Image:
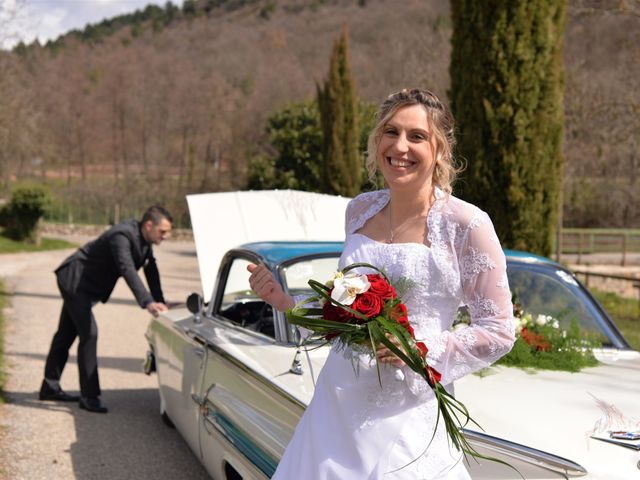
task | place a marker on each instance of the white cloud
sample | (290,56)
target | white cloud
(48,19)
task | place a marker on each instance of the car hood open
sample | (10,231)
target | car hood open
(222,221)
(557,412)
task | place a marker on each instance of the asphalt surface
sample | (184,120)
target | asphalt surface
(52,440)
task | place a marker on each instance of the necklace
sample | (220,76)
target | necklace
(399,227)
(408,220)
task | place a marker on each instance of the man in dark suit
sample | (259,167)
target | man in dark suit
(89,276)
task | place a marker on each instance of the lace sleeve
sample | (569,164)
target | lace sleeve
(483,273)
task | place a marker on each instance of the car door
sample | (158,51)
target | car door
(180,366)
(247,419)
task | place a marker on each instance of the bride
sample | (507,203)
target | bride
(353,428)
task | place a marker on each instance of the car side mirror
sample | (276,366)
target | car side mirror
(194,305)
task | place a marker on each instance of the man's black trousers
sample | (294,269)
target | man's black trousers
(76,320)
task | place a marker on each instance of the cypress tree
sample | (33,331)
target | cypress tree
(506,95)
(341,162)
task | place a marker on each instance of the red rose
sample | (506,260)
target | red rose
(422,348)
(380,287)
(368,304)
(334,313)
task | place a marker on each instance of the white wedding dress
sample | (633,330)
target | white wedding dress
(355,429)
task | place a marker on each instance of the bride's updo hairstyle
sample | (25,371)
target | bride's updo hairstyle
(441,124)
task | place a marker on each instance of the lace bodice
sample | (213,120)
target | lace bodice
(463,263)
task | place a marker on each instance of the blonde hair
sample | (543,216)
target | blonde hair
(441,122)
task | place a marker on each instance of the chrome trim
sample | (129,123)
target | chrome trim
(236,437)
(228,324)
(280,276)
(223,272)
(198,352)
(252,373)
(526,454)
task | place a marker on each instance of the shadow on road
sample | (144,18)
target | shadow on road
(132,364)
(130,442)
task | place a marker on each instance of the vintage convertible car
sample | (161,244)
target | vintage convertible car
(234,382)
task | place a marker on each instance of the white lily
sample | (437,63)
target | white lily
(345,288)
(519,324)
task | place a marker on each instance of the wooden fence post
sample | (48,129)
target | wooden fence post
(579,248)
(559,233)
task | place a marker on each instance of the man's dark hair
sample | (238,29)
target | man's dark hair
(155,213)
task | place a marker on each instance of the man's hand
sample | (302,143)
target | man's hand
(267,288)
(154,308)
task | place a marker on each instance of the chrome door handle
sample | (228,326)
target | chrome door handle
(199,352)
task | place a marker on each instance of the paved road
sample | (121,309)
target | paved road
(46,440)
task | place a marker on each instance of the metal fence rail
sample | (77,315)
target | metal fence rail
(634,281)
(584,241)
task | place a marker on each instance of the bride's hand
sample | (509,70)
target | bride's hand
(267,288)
(387,356)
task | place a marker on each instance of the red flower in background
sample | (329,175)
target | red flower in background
(536,340)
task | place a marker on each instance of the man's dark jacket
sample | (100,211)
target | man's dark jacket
(119,252)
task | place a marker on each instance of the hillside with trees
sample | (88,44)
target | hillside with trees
(165,101)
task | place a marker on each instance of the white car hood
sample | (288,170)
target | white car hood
(558,411)
(222,221)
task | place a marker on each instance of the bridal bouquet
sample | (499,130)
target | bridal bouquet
(362,310)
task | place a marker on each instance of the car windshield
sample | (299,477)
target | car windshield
(553,292)
(297,275)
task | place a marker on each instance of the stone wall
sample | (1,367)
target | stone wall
(76,230)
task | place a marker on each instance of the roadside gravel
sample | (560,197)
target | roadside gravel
(48,440)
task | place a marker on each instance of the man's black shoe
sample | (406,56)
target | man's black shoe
(48,393)
(92,404)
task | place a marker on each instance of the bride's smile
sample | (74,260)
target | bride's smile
(407,149)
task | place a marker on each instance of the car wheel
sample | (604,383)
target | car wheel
(231,473)
(166,420)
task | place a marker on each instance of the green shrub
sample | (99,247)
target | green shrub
(625,312)
(21,215)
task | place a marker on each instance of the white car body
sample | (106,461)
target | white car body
(235,393)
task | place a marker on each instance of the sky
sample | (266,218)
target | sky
(45,20)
